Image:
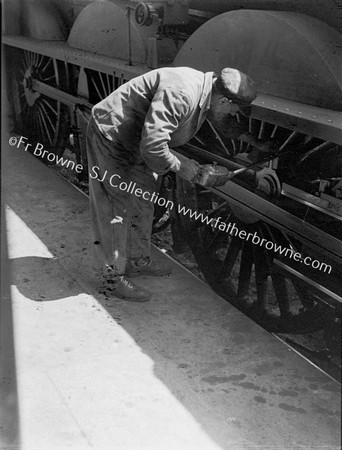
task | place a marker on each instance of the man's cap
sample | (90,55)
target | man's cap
(237,87)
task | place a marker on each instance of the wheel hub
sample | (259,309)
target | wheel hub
(268,183)
(30,95)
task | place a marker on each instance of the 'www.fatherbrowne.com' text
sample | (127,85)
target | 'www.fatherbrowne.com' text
(233,230)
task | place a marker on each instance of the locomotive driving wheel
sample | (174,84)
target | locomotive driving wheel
(38,116)
(243,270)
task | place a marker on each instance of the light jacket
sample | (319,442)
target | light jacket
(154,112)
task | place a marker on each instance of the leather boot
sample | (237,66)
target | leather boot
(119,286)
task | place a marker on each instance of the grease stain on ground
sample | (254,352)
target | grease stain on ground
(240,377)
(332,387)
(324,411)
(291,408)
(213,379)
(183,366)
(260,399)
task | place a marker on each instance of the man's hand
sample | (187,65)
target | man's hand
(188,169)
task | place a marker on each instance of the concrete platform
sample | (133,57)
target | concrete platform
(185,371)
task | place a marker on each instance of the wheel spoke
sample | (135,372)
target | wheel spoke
(199,140)
(103,86)
(289,140)
(214,213)
(261,130)
(274,131)
(261,278)
(56,73)
(245,271)
(241,146)
(27,114)
(284,239)
(213,237)
(46,65)
(211,244)
(323,146)
(48,117)
(50,78)
(54,111)
(31,55)
(110,83)
(35,59)
(281,291)
(46,128)
(217,136)
(35,125)
(306,299)
(40,61)
(27,59)
(231,256)
(41,127)
(97,89)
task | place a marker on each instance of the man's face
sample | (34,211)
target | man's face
(220,107)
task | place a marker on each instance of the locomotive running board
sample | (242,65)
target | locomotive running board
(319,122)
(82,58)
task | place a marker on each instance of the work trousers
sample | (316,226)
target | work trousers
(121,221)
